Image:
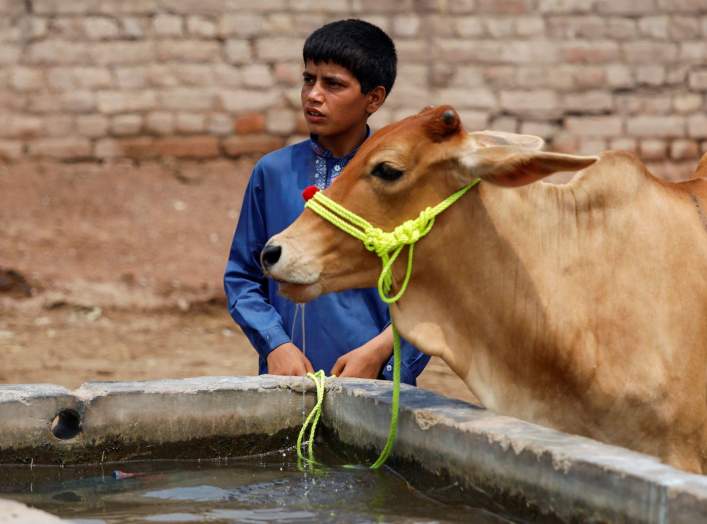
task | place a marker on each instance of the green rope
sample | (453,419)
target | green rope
(394,409)
(388,246)
(312,419)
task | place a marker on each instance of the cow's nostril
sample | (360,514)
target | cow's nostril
(270,255)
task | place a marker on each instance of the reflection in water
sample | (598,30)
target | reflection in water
(267,488)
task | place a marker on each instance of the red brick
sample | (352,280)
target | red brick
(188,147)
(594,125)
(68,148)
(698,79)
(621,29)
(625,144)
(249,124)
(564,142)
(589,102)
(685,28)
(327,6)
(697,126)
(653,149)
(575,27)
(138,148)
(650,52)
(591,146)
(687,102)
(684,149)
(534,103)
(564,6)
(682,6)
(504,7)
(252,144)
(383,6)
(672,170)
(656,126)
(272,49)
(544,130)
(625,7)
(590,52)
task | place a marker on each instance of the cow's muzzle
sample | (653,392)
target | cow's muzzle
(269,256)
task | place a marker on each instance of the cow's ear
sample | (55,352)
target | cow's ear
(500,138)
(513,166)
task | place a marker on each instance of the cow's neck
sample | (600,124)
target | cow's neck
(479,292)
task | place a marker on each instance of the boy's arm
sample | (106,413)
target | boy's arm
(367,360)
(374,359)
(247,288)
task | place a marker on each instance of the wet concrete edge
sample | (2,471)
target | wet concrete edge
(573,478)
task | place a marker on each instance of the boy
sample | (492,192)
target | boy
(350,68)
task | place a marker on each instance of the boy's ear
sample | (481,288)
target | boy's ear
(376,97)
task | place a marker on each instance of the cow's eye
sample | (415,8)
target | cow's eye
(386,172)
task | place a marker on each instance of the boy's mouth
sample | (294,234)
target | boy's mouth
(313,115)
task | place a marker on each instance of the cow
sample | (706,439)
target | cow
(582,306)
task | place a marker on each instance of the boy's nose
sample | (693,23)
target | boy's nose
(315,94)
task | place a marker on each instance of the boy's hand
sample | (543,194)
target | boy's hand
(365,361)
(287,359)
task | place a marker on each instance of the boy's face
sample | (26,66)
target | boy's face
(332,100)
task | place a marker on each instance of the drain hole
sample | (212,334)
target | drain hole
(66,424)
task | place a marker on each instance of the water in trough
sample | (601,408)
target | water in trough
(264,488)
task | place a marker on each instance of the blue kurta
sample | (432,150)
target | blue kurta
(335,323)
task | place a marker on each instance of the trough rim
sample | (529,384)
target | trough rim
(357,412)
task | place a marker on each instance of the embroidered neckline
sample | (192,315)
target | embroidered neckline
(326,166)
(321,151)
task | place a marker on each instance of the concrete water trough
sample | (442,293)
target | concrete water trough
(541,473)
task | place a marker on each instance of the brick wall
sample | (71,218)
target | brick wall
(102,79)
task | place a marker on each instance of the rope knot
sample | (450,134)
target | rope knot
(406,233)
(410,231)
(376,240)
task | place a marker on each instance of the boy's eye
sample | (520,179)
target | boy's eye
(386,172)
(308,79)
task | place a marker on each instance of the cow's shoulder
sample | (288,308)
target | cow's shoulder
(619,180)
(619,174)
(697,185)
(701,171)
(694,191)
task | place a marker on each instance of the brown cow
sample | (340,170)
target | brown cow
(580,306)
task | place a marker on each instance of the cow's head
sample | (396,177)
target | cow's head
(403,168)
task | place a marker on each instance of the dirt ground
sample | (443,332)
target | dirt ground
(113,272)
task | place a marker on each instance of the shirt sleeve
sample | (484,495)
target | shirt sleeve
(245,285)
(412,361)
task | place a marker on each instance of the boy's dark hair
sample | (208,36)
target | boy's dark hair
(359,46)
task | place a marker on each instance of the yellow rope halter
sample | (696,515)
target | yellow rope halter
(387,245)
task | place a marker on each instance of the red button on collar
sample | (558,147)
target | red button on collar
(309,192)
